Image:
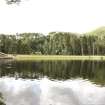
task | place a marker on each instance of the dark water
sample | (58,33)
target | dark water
(52,82)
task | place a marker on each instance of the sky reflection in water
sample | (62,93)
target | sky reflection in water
(46,92)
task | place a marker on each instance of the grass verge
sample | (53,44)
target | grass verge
(57,57)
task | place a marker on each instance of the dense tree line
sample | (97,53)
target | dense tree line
(55,43)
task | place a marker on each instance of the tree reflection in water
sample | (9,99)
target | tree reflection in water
(68,87)
(58,70)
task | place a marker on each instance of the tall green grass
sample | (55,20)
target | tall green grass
(57,57)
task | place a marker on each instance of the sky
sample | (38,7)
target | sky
(45,16)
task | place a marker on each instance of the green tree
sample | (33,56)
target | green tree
(12,1)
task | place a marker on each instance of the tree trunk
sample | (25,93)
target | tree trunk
(82,48)
(93,48)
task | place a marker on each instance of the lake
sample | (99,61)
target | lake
(52,82)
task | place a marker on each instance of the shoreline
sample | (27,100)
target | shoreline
(58,57)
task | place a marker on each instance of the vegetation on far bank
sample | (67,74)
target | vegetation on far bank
(55,43)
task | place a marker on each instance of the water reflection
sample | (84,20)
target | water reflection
(20,92)
(30,83)
(47,92)
(55,70)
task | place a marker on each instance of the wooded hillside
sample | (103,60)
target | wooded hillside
(55,43)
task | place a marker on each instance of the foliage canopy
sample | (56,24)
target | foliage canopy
(55,43)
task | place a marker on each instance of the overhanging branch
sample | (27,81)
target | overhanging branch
(12,1)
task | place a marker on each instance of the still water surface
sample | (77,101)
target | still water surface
(52,83)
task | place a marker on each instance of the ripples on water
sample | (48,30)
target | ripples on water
(53,83)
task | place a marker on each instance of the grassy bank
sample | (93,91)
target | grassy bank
(57,57)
